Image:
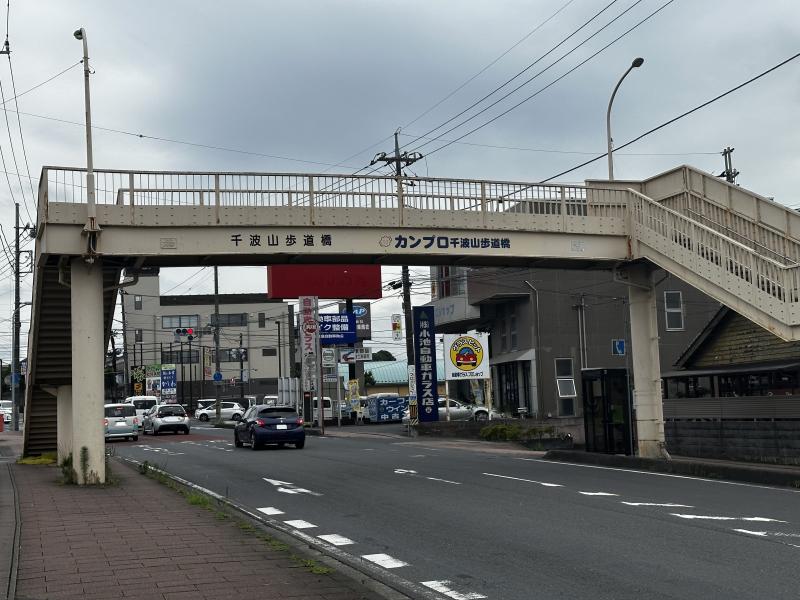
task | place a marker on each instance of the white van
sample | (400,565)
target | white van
(142,404)
(327,409)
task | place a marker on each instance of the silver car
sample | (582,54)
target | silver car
(230,411)
(166,417)
(121,422)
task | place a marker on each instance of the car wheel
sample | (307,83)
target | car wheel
(481,416)
(204,417)
(236,441)
(299,445)
(186,431)
(136,438)
(253,445)
(236,417)
(155,431)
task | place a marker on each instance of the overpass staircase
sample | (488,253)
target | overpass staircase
(739,248)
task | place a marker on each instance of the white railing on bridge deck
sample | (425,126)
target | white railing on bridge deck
(141,188)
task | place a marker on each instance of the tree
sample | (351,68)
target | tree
(369,380)
(383,355)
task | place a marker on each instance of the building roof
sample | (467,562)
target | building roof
(208,299)
(390,372)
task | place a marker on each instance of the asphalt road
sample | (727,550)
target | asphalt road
(499,523)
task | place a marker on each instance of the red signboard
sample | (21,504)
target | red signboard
(324,281)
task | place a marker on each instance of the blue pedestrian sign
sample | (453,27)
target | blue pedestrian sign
(618,347)
(217,376)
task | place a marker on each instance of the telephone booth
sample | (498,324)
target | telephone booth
(607,411)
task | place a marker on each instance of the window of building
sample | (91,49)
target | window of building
(565,384)
(180,321)
(178,357)
(230,320)
(137,335)
(262,320)
(673,310)
(269,352)
(512,326)
(501,327)
(230,355)
(137,303)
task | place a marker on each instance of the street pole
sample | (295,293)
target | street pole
(637,62)
(125,362)
(280,351)
(216,341)
(91,208)
(16,325)
(241,369)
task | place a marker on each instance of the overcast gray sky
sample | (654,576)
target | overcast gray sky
(320,81)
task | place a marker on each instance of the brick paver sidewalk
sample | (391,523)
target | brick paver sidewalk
(142,540)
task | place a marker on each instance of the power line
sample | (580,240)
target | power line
(674,119)
(491,64)
(19,124)
(552,83)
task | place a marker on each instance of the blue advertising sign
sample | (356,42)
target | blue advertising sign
(337,328)
(169,383)
(425,363)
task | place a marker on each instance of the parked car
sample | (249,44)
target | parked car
(142,404)
(327,409)
(120,421)
(263,424)
(462,412)
(230,411)
(166,417)
(6,409)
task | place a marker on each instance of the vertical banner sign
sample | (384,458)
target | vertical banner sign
(353,396)
(308,341)
(425,364)
(138,379)
(169,384)
(207,372)
(152,380)
(397,328)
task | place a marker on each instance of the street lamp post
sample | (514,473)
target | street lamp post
(280,362)
(637,62)
(91,208)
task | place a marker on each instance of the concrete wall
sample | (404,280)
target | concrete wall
(756,441)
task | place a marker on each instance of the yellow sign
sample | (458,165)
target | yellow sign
(465,356)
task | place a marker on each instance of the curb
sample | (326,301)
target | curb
(11,588)
(757,474)
(388,585)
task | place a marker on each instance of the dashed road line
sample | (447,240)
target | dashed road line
(598,494)
(660,504)
(716,518)
(385,561)
(443,480)
(336,539)
(545,484)
(270,510)
(443,587)
(300,524)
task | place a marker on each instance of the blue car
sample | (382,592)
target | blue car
(263,424)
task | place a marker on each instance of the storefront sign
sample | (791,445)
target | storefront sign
(466,356)
(425,363)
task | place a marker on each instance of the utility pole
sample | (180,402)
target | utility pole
(216,341)
(401,160)
(125,363)
(241,368)
(729,173)
(16,324)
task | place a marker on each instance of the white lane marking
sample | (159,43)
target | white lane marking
(443,480)
(418,456)
(300,524)
(773,534)
(716,518)
(662,504)
(706,479)
(598,494)
(403,471)
(368,449)
(443,587)
(336,539)
(385,561)
(270,510)
(527,480)
(290,488)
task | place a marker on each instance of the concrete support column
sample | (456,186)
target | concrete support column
(64,421)
(88,351)
(646,363)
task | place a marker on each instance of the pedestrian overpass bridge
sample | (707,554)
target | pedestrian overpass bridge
(736,246)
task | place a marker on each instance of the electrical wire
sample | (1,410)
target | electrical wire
(21,136)
(674,119)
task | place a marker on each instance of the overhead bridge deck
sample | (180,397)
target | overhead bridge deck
(734,245)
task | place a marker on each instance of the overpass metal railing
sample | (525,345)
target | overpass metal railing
(175,188)
(746,273)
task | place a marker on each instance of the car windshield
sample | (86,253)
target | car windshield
(6,405)
(171,410)
(201,404)
(124,410)
(278,413)
(144,404)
